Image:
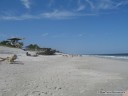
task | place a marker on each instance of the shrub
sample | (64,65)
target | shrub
(32,47)
(46,51)
(4,43)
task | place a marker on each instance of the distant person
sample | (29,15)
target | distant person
(28,54)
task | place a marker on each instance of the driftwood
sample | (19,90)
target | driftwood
(10,59)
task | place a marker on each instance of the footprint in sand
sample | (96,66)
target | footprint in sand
(38,93)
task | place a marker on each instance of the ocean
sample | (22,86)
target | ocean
(120,56)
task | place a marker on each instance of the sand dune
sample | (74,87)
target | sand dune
(61,76)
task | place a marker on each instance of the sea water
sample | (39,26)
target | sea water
(121,56)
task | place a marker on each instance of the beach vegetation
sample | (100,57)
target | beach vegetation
(9,44)
(46,51)
(4,43)
(32,47)
(39,50)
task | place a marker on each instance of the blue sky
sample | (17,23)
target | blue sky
(71,26)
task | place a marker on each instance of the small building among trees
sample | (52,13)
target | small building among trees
(12,42)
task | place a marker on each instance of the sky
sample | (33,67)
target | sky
(71,26)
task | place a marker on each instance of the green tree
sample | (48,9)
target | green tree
(4,43)
(32,47)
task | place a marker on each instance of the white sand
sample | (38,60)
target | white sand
(62,76)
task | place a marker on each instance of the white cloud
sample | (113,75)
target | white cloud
(81,7)
(26,3)
(121,3)
(90,3)
(100,4)
(49,15)
(44,34)
(106,4)
(58,14)
(21,17)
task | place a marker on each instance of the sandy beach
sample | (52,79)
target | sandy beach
(57,75)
